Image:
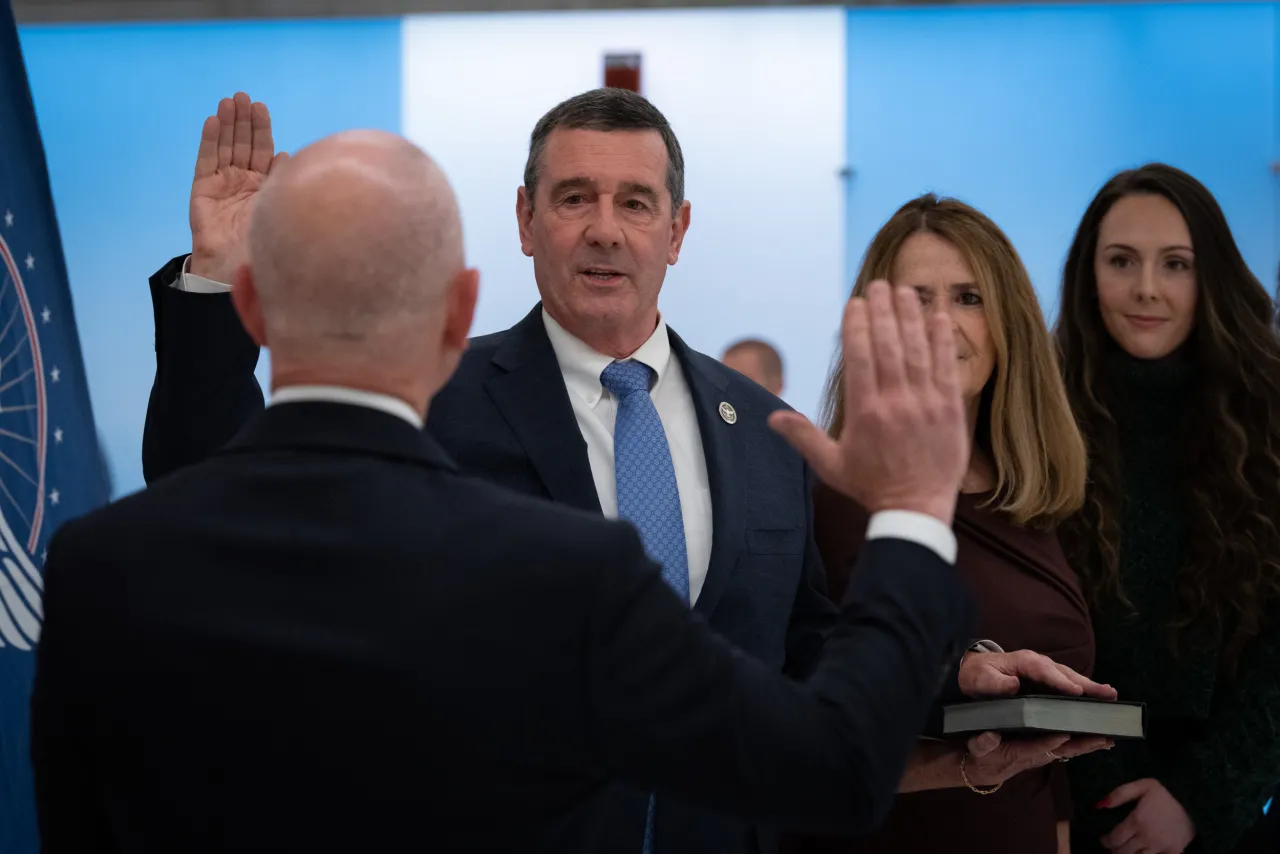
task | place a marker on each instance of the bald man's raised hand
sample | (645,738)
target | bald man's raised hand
(904,444)
(236,155)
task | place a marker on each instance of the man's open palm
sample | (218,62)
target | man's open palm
(904,444)
(236,155)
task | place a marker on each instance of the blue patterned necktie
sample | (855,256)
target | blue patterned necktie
(647,493)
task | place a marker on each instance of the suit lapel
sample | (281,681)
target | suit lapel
(530,393)
(723,446)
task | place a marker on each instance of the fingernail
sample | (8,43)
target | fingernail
(1102,804)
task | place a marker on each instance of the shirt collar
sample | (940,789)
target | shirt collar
(351,396)
(582,366)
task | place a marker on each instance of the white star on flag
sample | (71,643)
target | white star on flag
(55,374)
(57,436)
(46,314)
(31,261)
(44,555)
(55,497)
(8,219)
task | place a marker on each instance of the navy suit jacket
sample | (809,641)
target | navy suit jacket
(324,638)
(506,416)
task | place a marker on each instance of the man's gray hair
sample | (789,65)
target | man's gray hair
(607,110)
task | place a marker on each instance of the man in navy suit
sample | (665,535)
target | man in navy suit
(543,407)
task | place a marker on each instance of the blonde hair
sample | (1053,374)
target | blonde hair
(1025,422)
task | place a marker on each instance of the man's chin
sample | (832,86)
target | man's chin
(606,304)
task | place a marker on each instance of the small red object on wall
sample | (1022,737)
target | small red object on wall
(622,71)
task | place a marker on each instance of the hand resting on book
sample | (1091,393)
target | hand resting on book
(1002,674)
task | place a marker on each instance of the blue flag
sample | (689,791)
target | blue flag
(51,467)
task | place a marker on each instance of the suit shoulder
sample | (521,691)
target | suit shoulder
(744,391)
(149,503)
(475,367)
(81,552)
(486,345)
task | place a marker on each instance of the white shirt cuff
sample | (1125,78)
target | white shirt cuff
(197,284)
(914,527)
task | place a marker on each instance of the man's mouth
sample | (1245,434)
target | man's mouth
(604,275)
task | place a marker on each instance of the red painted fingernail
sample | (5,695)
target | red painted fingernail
(1102,804)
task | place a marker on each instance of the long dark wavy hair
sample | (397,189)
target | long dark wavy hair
(1232,449)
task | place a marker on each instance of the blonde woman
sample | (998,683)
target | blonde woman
(1027,473)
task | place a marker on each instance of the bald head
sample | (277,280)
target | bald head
(357,236)
(356,272)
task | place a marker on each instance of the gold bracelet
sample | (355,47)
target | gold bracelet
(989,790)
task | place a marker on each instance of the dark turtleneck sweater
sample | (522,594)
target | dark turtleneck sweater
(1213,741)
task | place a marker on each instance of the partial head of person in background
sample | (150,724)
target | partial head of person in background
(1027,452)
(602,214)
(356,275)
(757,360)
(1154,277)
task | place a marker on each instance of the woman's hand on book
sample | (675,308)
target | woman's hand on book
(1001,674)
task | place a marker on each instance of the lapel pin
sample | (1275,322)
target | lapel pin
(728,413)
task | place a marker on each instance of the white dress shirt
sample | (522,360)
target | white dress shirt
(595,409)
(352,396)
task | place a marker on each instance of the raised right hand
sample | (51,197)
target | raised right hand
(236,155)
(904,445)
(993,760)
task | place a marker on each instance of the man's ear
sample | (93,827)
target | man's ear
(679,227)
(524,219)
(460,308)
(244,296)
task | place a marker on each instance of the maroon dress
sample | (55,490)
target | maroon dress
(1029,598)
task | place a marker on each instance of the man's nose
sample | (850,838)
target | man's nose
(603,227)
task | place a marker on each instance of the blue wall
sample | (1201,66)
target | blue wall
(120,110)
(1025,111)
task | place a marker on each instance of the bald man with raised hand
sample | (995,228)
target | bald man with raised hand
(326,638)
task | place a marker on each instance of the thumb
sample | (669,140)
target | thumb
(819,450)
(981,745)
(1124,794)
(277,161)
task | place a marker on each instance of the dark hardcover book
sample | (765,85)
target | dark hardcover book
(1047,714)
